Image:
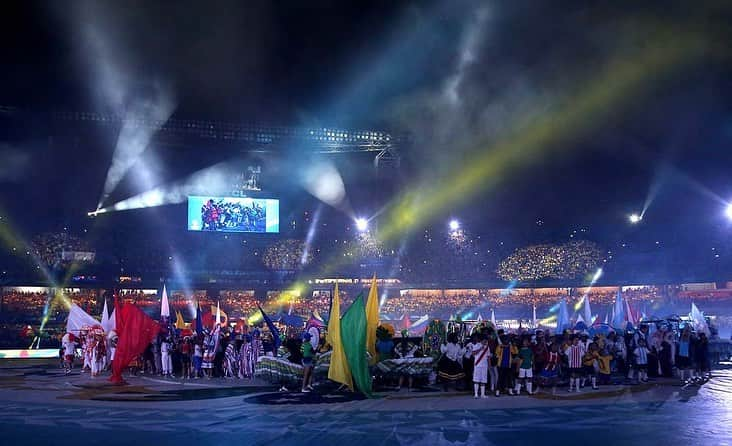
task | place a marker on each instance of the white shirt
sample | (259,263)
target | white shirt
(452,351)
(165,348)
(481,353)
(69,348)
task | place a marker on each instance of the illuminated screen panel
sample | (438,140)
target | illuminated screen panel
(233,214)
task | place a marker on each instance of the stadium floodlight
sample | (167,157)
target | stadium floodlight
(362,224)
(635,218)
(454,225)
(728,211)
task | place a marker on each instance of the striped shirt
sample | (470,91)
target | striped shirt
(641,355)
(574,356)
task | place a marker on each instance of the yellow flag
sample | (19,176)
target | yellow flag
(372,320)
(179,322)
(339,370)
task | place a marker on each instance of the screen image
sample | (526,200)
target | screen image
(233,214)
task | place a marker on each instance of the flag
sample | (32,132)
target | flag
(587,313)
(619,312)
(697,319)
(372,320)
(493,317)
(107,323)
(339,371)
(164,306)
(275,332)
(218,314)
(78,318)
(199,321)
(137,331)
(480,318)
(562,318)
(353,331)
(533,316)
(180,324)
(630,316)
(606,319)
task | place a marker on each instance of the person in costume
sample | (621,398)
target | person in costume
(197,359)
(603,360)
(550,373)
(88,350)
(185,357)
(405,350)
(209,354)
(490,335)
(448,368)
(231,360)
(166,349)
(641,360)
(99,355)
(505,353)
(526,367)
(541,351)
(683,355)
(469,359)
(701,356)
(589,362)
(481,353)
(69,345)
(574,354)
(308,356)
(245,356)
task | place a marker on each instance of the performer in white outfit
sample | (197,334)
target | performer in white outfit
(481,354)
(165,353)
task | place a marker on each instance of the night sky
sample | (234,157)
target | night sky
(457,75)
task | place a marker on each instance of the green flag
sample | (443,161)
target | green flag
(353,334)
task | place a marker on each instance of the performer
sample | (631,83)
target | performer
(481,354)
(166,349)
(69,352)
(197,359)
(550,372)
(526,367)
(185,357)
(231,360)
(245,357)
(641,360)
(88,350)
(469,358)
(683,356)
(307,362)
(405,350)
(505,353)
(448,368)
(209,353)
(574,355)
(99,355)
(588,364)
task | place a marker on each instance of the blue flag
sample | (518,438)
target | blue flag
(199,322)
(275,332)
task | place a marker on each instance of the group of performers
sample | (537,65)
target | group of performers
(482,357)
(506,362)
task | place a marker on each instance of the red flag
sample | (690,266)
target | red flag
(136,332)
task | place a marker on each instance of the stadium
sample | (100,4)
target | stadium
(365,222)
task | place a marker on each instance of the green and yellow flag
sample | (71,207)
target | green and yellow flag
(372,320)
(339,371)
(353,330)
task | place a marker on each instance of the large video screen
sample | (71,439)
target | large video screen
(233,214)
